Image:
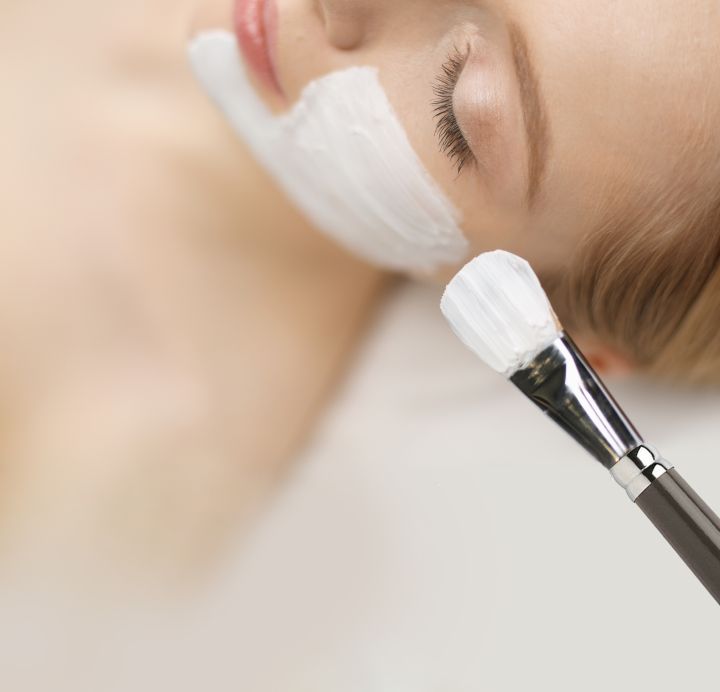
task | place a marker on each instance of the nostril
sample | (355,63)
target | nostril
(317,4)
(346,22)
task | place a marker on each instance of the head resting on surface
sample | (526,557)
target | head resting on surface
(583,138)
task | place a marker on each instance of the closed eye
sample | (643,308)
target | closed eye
(452,139)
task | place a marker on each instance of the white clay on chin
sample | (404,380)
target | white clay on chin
(343,157)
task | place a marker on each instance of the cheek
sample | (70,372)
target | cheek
(212,14)
(410,92)
(343,157)
(489,195)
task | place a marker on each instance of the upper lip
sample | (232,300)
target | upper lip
(256,30)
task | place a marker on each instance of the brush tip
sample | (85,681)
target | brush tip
(498,308)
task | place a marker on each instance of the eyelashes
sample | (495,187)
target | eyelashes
(452,141)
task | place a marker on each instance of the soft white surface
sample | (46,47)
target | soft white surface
(498,309)
(342,155)
(439,535)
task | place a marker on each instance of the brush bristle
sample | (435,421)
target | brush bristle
(497,307)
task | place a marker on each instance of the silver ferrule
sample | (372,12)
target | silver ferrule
(564,385)
(639,468)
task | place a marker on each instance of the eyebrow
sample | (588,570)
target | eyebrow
(536,124)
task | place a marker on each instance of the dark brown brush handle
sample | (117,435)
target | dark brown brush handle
(688,524)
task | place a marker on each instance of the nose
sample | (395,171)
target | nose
(348,23)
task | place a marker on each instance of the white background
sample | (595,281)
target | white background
(438,534)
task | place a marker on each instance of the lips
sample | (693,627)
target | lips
(256,23)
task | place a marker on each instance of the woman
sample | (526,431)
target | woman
(171,325)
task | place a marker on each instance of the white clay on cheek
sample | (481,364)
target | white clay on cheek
(343,157)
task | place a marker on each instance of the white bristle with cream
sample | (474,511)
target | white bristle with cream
(498,308)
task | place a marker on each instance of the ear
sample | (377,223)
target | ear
(606,360)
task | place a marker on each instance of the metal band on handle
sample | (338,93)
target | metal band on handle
(639,468)
(563,384)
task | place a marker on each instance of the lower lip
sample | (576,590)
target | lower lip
(256,23)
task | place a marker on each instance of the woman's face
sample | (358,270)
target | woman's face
(553,113)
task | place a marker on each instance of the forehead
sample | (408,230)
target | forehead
(629,97)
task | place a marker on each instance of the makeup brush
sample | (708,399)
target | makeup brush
(498,308)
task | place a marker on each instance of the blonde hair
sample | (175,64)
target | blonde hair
(647,281)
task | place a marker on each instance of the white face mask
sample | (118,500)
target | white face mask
(343,157)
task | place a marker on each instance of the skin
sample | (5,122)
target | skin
(624,86)
(153,269)
(170,326)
